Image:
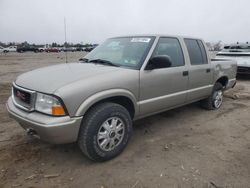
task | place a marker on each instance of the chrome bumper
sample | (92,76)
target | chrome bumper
(57,130)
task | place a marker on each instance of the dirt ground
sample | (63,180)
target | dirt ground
(185,147)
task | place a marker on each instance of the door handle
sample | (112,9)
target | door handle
(185,73)
(208,70)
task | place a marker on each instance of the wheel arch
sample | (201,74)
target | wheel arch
(223,80)
(119,96)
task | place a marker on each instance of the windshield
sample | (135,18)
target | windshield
(123,51)
(237,48)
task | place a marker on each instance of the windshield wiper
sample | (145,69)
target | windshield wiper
(104,62)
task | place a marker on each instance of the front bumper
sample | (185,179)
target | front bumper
(57,130)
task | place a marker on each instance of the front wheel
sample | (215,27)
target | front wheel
(214,101)
(105,131)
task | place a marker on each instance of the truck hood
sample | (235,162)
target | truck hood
(51,78)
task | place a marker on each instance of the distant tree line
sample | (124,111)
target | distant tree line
(217,46)
(53,44)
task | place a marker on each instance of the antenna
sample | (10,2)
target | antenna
(65,43)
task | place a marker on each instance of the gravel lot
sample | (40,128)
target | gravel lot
(185,147)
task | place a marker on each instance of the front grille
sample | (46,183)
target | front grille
(243,70)
(23,98)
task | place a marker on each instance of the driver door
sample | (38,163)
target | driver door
(164,88)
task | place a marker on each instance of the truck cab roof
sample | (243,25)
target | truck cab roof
(158,35)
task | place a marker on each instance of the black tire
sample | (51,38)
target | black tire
(210,102)
(92,124)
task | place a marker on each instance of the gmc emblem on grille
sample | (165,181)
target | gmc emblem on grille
(21,95)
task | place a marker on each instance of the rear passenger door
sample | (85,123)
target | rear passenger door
(200,73)
(163,88)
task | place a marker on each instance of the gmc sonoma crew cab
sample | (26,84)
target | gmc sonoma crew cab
(93,102)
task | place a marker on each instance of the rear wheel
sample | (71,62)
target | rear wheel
(214,101)
(105,131)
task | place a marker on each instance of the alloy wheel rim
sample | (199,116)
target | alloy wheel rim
(110,134)
(218,99)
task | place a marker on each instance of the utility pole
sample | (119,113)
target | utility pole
(65,39)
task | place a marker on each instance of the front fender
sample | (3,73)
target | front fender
(86,104)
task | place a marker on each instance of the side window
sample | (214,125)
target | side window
(172,48)
(203,52)
(197,53)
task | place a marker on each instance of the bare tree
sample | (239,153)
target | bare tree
(217,46)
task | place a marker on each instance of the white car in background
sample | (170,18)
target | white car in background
(10,49)
(1,49)
(239,52)
(42,49)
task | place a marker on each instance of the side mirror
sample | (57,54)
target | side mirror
(158,62)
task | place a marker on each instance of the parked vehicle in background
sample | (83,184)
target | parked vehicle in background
(239,52)
(21,49)
(52,50)
(89,49)
(60,49)
(42,49)
(80,49)
(10,49)
(127,78)
(69,49)
(1,49)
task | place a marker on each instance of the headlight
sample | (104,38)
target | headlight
(49,105)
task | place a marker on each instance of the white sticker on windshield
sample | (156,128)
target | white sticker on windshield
(140,40)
